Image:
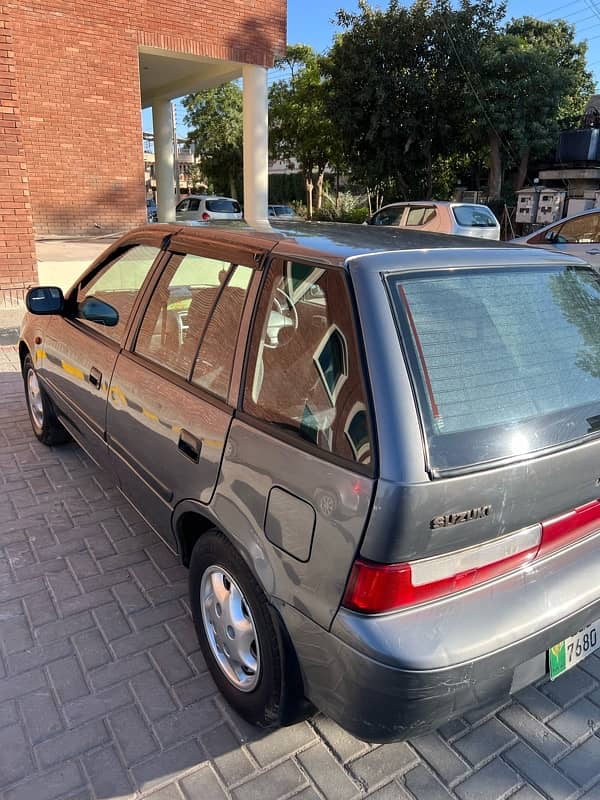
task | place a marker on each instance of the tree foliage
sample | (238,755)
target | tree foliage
(299,126)
(215,119)
(413,87)
(409,100)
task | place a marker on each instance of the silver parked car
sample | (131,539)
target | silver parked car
(578,235)
(207,207)
(440,216)
(376,451)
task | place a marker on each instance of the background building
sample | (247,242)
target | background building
(73,77)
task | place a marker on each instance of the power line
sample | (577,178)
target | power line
(501,139)
(559,8)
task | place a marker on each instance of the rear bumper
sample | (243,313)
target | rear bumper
(393,676)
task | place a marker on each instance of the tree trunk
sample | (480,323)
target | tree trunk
(495,174)
(429,185)
(232,189)
(309,194)
(521,175)
(319,187)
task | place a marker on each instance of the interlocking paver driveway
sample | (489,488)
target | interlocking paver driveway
(104,693)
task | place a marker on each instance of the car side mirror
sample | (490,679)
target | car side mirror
(94,310)
(45,300)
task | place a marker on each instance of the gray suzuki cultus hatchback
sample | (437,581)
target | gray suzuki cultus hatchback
(377,452)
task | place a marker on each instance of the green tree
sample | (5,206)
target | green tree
(299,126)
(398,89)
(526,81)
(215,120)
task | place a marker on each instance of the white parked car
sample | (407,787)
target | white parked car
(205,207)
(462,219)
(578,235)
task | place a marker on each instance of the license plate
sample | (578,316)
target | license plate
(569,652)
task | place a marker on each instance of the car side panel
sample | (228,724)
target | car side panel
(148,413)
(70,355)
(254,464)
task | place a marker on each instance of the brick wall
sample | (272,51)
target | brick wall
(17,252)
(74,84)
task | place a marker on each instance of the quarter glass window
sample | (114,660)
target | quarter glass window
(118,284)
(304,373)
(177,314)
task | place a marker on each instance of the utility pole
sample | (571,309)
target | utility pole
(175,151)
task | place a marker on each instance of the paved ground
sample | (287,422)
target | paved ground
(103,692)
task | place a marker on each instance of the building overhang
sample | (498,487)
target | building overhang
(165,75)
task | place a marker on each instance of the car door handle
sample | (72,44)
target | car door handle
(95,377)
(593,252)
(189,446)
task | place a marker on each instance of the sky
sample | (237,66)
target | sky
(311,22)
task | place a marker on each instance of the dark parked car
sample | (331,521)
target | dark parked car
(376,451)
(282,211)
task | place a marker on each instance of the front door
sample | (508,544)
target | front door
(79,355)
(168,410)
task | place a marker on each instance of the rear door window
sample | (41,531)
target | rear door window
(177,314)
(419,215)
(505,361)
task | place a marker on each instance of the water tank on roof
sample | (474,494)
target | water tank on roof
(583,145)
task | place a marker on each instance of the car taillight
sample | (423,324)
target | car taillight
(561,531)
(205,215)
(375,588)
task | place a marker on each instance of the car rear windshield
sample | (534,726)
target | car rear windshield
(222,206)
(505,361)
(474,216)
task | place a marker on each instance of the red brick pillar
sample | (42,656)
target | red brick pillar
(18,268)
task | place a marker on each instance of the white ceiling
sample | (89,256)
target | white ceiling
(165,75)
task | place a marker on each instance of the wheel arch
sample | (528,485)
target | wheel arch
(190,522)
(189,525)
(191,519)
(24,351)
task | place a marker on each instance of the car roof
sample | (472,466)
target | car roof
(440,203)
(335,244)
(208,197)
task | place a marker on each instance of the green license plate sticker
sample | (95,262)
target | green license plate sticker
(566,654)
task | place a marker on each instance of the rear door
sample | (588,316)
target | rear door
(299,457)
(169,403)
(79,356)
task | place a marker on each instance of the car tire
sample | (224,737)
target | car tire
(42,415)
(240,634)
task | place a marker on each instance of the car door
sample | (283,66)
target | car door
(189,209)
(79,355)
(579,236)
(168,410)
(299,459)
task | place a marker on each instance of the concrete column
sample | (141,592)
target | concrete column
(164,160)
(256,145)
